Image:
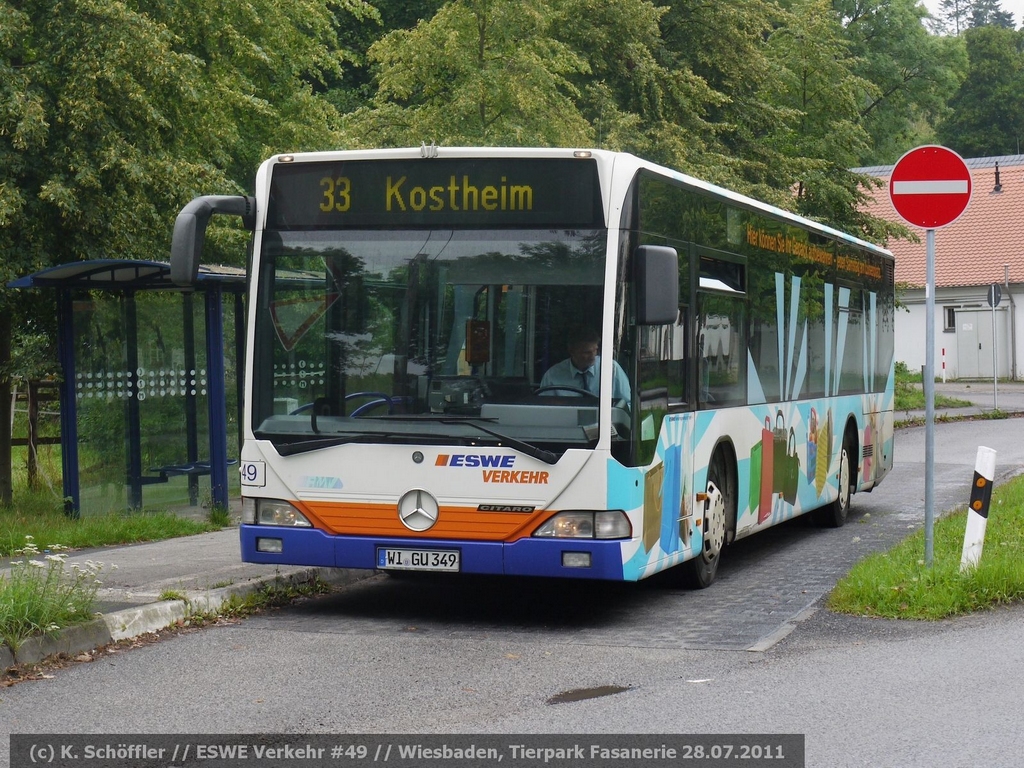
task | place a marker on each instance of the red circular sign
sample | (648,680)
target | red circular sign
(930,186)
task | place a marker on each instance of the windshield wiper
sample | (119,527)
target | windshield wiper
(304,446)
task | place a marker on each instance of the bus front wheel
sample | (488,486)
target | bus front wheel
(700,571)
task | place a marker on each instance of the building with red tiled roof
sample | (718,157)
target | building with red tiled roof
(985,246)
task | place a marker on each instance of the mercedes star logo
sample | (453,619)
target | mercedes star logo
(417,510)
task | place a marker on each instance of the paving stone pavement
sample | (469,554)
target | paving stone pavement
(766,585)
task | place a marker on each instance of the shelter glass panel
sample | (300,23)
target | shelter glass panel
(102,387)
(142,398)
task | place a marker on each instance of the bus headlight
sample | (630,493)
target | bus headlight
(612,524)
(606,524)
(248,510)
(274,512)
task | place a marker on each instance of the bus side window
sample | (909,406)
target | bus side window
(663,385)
(720,354)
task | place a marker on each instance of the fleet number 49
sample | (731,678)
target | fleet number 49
(253,473)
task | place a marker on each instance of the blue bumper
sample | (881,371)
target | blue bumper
(525,557)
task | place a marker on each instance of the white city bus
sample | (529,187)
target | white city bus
(405,304)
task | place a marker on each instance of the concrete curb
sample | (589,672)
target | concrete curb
(905,419)
(153,617)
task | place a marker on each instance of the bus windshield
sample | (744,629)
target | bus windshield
(423,336)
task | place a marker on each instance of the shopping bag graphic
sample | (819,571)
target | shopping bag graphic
(755,476)
(812,445)
(764,507)
(791,473)
(685,513)
(671,498)
(652,505)
(779,452)
(824,460)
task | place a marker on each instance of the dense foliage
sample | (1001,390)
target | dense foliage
(114,113)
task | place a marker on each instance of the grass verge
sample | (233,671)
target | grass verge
(38,594)
(914,401)
(898,584)
(909,393)
(39,517)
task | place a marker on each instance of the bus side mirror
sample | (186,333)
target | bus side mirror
(656,273)
(190,231)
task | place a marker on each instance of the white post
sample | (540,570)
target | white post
(977,512)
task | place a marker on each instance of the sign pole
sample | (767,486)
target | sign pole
(993,298)
(930,187)
(995,363)
(929,400)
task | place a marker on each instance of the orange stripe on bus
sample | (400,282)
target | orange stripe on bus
(362,519)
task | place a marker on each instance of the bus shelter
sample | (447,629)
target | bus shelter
(150,383)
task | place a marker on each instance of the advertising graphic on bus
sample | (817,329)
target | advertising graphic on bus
(545,362)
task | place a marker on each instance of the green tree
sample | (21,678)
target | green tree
(988,110)
(112,116)
(637,93)
(819,84)
(954,16)
(479,72)
(957,16)
(712,88)
(913,74)
(725,45)
(356,88)
(76,154)
(266,66)
(990,13)
(626,75)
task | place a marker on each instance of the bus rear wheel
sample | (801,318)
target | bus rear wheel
(700,572)
(834,515)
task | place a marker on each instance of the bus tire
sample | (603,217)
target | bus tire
(834,515)
(700,571)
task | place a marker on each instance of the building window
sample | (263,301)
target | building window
(949,319)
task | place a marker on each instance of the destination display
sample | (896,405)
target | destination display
(458,192)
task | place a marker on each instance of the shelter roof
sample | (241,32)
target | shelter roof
(985,245)
(127,275)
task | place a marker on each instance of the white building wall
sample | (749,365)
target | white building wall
(911,330)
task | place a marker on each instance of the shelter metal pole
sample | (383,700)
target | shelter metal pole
(191,380)
(240,363)
(68,405)
(216,397)
(135,395)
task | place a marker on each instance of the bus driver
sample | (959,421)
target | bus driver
(581,370)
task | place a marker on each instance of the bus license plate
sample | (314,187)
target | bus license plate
(418,559)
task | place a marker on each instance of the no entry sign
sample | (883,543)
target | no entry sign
(930,186)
